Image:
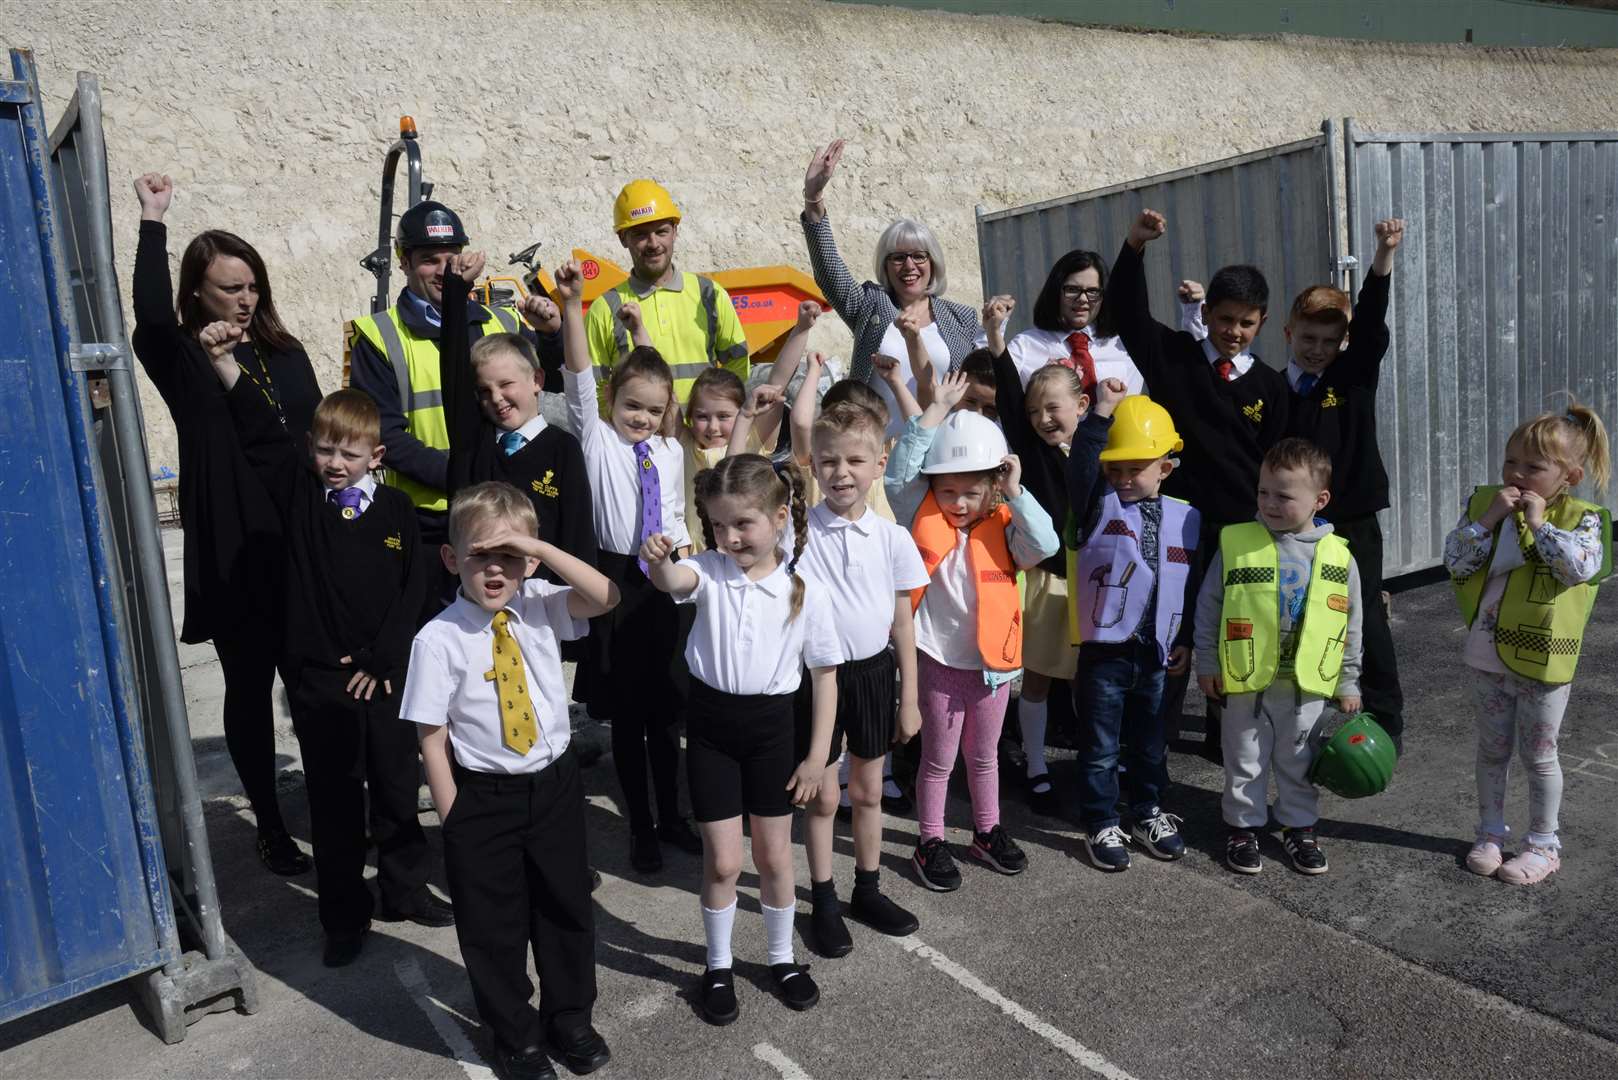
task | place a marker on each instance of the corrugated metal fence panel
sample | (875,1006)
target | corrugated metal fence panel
(1267,208)
(1505,299)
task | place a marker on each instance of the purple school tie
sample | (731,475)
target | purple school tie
(348,501)
(651,500)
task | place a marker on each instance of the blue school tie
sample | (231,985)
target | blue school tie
(347,501)
(1306,383)
(512,441)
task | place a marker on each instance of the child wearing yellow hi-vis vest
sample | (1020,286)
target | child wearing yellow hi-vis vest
(1526,602)
(1278,634)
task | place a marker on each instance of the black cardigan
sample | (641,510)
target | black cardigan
(232,556)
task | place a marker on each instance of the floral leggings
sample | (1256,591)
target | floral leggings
(1525,715)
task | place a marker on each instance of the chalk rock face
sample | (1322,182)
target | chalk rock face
(273,119)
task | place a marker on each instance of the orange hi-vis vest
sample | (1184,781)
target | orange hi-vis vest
(999,614)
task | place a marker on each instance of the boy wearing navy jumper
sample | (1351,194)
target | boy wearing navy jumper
(486,695)
(354,583)
(1135,570)
(1227,406)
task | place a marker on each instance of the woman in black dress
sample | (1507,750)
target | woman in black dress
(232,533)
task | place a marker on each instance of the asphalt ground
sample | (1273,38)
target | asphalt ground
(1397,963)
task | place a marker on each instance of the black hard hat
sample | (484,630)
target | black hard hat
(427,225)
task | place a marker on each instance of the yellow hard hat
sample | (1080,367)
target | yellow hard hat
(1142,430)
(643,201)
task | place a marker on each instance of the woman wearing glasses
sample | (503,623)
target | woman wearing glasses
(1071,328)
(910,269)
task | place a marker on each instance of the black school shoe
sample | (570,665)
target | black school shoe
(1044,803)
(797,989)
(882,915)
(279,852)
(644,854)
(429,911)
(832,939)
(1303,850)
(716,997)
(680,834)
(342,950)
(1241,852)
(530,1064)
(936,866)
(583,1052)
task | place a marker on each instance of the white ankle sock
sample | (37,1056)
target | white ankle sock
(716,925)
(1031,718)
(778,931)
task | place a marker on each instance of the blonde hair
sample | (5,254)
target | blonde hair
(1573,438)
(848,417)
(489,346)
(493,500)
(1055,377)
(769,486)
(347,415)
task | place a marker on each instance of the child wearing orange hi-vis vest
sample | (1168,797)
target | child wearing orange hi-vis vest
(950,477)
(1526,559)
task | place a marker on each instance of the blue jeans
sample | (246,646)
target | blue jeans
(1116,692)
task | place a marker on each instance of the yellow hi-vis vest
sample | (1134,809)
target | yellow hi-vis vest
(421,387)
(1541,627)
(1250,634)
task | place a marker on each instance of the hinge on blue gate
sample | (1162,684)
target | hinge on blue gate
(1344,263)
(85,358)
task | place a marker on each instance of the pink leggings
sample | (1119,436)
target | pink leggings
(958,712)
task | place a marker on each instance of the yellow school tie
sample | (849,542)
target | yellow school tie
(518,730)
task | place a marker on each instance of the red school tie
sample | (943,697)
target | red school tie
(1226,369)
(1078,358)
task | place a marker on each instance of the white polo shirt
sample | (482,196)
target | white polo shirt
(445,683)
(861,567)
(609,460)
(742,641)
(1035,348)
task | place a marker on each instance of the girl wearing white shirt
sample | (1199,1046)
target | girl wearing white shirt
(755,630)
(637,488)
(1069,307)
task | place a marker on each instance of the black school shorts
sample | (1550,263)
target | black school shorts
(738,753)
(867,707)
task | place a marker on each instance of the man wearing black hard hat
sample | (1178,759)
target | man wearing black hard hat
(394,358)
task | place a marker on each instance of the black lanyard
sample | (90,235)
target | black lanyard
(262,380)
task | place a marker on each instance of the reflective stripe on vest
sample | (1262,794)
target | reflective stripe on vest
(1540,632)
(1110,582)
(684,372)
(994,574)
(1250,617)
(415,364)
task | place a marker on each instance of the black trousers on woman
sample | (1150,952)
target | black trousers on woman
(248,656)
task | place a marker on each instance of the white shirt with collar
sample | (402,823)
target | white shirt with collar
(861,567)
(1034,348)
(445,683)
(609,460)
(744,640)
(529,431)
(1296,373)
(366,485)
(1242,361)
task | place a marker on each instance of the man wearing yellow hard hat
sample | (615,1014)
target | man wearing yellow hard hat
(689,318)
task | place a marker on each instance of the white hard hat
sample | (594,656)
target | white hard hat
(966,442)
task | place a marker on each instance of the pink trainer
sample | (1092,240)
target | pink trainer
(1485,857)
(1530,866)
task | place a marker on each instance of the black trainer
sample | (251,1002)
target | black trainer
(998,850)
(797,989)
(1241,852)
(680,834)
(936,866)
(279,852)
(716,996)
(644,854)
(882,915)
(1159,833)
(831,934)
(1303,850)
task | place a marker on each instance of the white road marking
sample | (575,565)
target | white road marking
(1064,1042)
(789,1069)
(439,1016)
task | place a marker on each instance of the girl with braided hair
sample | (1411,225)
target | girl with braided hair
(756,629)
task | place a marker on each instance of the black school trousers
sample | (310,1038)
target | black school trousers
(350,747)
(519,875)
(1380,691)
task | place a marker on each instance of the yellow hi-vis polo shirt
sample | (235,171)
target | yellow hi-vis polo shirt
(693,326)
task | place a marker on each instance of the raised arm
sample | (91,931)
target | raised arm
(1368,335)
(921,364)
(1086,486)
(593,592)
(764,399)
(767,422)
(1143,336)
(831,273)
(157,338)
(461,415)
(668,575)
(804,408)
(887,369)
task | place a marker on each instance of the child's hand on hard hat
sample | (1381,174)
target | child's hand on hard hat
(997,309)
(1010,481)
(629,315)
(569,282)
(820,170)
(1191,292)
(1213,686)
(886,367)
(541,312)
(763,398)
(1350,704)
(155,192)
(951,390)
(1179,660)
(808,312)
(1147,227)
(1109,392)
(219,341)
(468,265)
(655,548)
